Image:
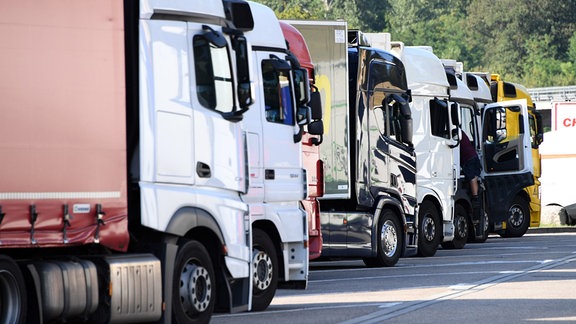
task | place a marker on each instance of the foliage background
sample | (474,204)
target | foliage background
(532,42)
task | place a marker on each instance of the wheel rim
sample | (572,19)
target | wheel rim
(516,215)
(461,226)
(10,306)
(195,288)
(262,270)
(389,238)
(429,228)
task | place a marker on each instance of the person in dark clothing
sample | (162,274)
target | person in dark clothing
(470,164)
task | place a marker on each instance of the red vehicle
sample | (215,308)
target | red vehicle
(310,145)
(121,174)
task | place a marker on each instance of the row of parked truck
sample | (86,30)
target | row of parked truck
(162,160)
(393,143)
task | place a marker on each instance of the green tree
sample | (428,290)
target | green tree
(506,33)
(366,15)
(523,41)
(540,68)
(297,9)
(438,23)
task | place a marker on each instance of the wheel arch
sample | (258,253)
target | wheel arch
(432,196)
(436,202)
(187,220)
(524,195)
(391,203)
(467,205)
(199,225)
(270,228)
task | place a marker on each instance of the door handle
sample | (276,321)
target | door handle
(203,170)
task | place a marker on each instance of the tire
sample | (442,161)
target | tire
(390,240)
(265,264)
(518,218)
(429,229)
(460,229)
(194,295)
(13,299)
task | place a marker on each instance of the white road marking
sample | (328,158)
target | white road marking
(380,316)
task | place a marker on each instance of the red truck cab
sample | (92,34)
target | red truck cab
(310,145)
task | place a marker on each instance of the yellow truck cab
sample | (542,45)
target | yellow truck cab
(504,91)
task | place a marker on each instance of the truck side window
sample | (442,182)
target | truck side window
(439,118)
(397,127)
(533,131)
(468,124)
(501,132)
(495,125)
(277,94)
(213,75)
(391,118)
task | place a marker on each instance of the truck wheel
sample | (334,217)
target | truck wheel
(194,294)
(430,229)
(13,300)
(460,229)
(265,263)
(390,240)
(518,219)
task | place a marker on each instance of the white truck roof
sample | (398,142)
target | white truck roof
(265,25)
(480,91)
(182,7)
(423,69)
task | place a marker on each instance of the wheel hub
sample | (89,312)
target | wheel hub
(262,270)
(195,288)
(516,216)
(461,226)
(429,229)
(389,239)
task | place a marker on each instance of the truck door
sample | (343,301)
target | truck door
(507,160)
(281,156)
(507,142)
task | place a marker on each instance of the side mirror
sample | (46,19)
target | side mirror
(316,105)
(539,139)
(455,120)
(407,123)
(405,116)
(244,88)
(539,128)
(407,130)
(316,128)
(454,114)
